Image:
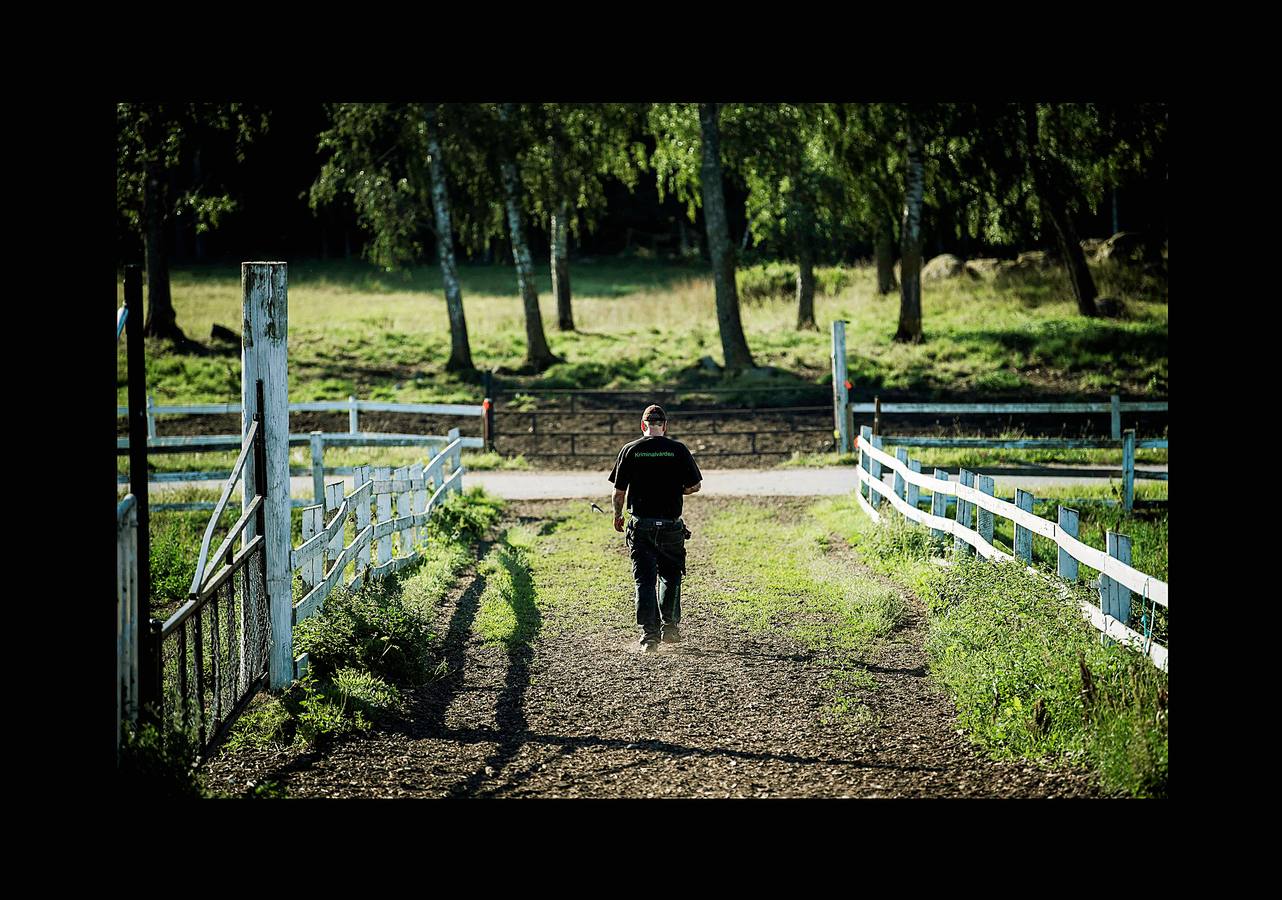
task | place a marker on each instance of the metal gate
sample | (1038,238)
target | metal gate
(215,649)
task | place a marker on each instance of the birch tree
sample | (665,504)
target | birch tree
(574,149)
(687,161)
(910,248)
(538,355)
(391,160)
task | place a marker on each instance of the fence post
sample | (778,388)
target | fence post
(874,469)
(264,355)
(318,466)
(902,455)
(985,517)
(1128,469)
(876,415)
(149,684)
(314,570)
(359,477)
(487,424)
(914,492)
(939,503)
(1115,597)
(865,438)
(151,416)
(383,504)
(353,416)
(1024,536)
(1068,525)
(962,513)
(840,393)
(1115,408)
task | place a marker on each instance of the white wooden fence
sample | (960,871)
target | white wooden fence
(127,612)
(1117,579)
(351,406)
(386,540)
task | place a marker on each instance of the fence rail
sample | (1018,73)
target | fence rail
(351,406)
(386,539)
(1117,578)
(317,469)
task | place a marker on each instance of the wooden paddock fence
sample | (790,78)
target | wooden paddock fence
(316,442)
(974,494)
(390,508)
(351,406)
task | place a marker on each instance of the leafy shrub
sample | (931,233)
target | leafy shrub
(778,280)
(365,691)
(322,713)
(369,629)
(465,517)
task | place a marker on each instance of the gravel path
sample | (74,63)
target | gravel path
(725,713)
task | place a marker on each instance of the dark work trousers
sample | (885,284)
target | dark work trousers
(658,553)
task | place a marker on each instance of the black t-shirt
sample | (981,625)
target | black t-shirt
(656,469)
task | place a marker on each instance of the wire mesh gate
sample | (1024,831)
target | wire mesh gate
(215,649)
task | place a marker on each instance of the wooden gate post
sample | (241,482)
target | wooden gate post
(264,351)
(353,415)
(1115,416)
(840,393)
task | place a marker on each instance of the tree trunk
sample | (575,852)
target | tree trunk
(910,248)
(1055,210)
(460,350)
(884,248)
(561,267)
(538,355)
(734,346)
(162,321)
(805,271)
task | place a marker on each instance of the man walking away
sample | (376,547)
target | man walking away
(654,473)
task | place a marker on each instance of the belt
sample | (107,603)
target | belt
(637,520)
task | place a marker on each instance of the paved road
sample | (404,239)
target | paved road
(560,484)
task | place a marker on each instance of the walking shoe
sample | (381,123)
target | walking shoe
(649,645)
(671,634)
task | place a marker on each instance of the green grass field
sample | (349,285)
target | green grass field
(355,330)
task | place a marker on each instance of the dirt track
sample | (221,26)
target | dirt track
(725,713)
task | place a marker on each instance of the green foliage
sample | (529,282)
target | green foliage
(1030,676)
(369,629)
(778,280)
(160,139)
(1032,679)
(467,516)
(158,764)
